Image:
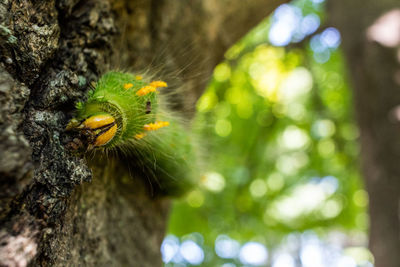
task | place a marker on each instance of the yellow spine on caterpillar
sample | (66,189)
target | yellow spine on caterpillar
(139,136)
(146,90)
(157,84)
(155,126)
(128,85)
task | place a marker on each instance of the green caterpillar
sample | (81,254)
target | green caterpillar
(125,113)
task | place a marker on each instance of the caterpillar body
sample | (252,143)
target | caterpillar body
(125,113)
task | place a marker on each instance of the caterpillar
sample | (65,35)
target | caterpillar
(126,113)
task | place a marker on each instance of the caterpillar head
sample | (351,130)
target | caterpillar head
(94,131)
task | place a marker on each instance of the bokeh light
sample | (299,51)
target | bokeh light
(226,247)
(191,252)
(253,253)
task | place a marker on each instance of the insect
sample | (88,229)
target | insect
(126,113)
(148,107)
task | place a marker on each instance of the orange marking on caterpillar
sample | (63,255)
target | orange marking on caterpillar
(146,90)
(139,136)
(155,126)
(157,84)
(127,86)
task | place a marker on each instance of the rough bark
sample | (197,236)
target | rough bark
(53,211)
(375,70)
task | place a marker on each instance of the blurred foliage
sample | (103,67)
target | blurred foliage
(279,146)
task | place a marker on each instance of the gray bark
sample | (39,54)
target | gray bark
(53,211)
(374,71)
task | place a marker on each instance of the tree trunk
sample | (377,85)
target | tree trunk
(53,212)
(373,58)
